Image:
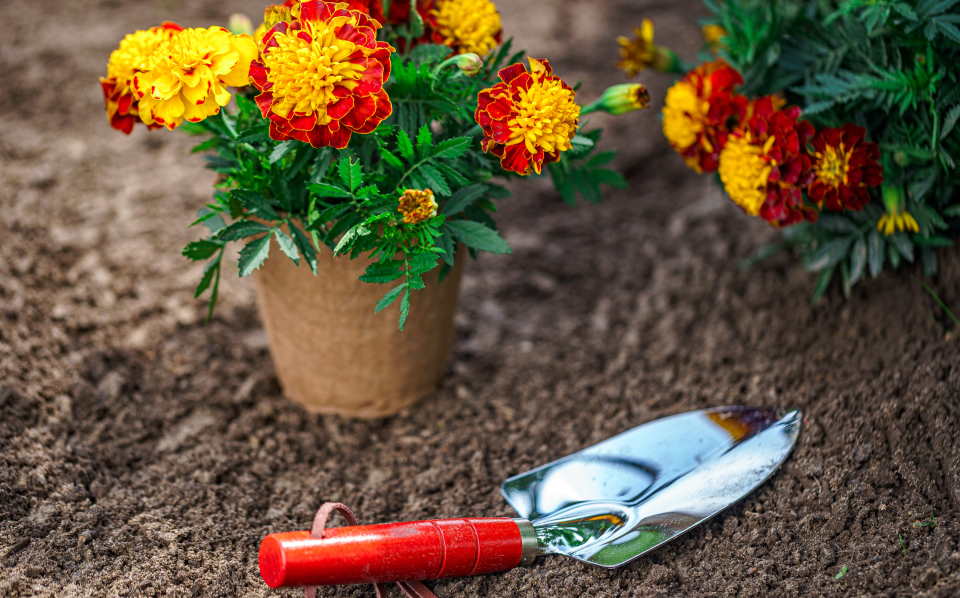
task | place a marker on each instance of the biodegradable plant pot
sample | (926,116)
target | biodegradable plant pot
(333,354)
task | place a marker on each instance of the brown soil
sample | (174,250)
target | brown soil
(145,453)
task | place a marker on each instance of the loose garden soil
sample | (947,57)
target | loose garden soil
(144,453)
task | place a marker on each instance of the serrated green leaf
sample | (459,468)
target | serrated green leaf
(950,121)
(611,178)
(306,247)
(424,141)
(241,229)
(423,262)
(350,236)
(282,149)
(428,53)
(253,255)
(390,297)
(201,250)
(404,308)
(381,272)
(287,245)
(325,190)
(435,180)
(477,236)
(404,145)
(391,159)
(463,199)
(452,148)
(211,270)
(351,173)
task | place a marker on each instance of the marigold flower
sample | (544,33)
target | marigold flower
(136,53)
(844,166)
(287,10)
(417,205)
(699,112)
(764,167)
(528,118)
(466,25)
(321,76)
(189,79)
(896,218)
(713,35)
(640,53)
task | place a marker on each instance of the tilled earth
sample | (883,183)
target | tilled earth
(144,453)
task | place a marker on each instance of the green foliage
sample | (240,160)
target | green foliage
(887,65)
(304,200)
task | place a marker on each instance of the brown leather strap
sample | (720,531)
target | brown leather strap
(410,589)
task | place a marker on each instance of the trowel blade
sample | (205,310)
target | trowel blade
(612,502)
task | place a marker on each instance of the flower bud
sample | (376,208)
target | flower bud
(622,98)
(240,24)
(469,64)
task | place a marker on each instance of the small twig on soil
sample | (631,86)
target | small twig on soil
(20,545)
(902,542)
(931,522)
(843,571)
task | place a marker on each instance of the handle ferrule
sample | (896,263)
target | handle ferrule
(385,552)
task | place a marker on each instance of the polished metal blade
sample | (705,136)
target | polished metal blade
(612,502)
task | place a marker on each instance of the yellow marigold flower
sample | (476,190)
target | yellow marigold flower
(528,118)
(136,53)
(891,223)
(467,25)
(897,218)
(640,53)
(189,79)
(713,35)
(417,205)
(744,171)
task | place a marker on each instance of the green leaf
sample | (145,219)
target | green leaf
(829,254)
(823,283)
(435,180)
(858,260)
(836,223)
(287,245)
(305,246)
(463,199)
(477,236)
(952,211)
(875,252)
(424,140)
(904,246)
(950,121)
(404,308)
(391,159)
(351,173)
(329,191)
(211,219)
(405,145)
(209,271)
(241,229)
(380,272)
(282,149)
(201,250)
(254,254)
(390,297)
(428,53)
(350,236)
(453,148)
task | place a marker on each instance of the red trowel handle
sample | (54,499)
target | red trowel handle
(396,551)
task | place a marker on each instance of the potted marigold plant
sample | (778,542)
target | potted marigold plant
(836,121)
(362,148)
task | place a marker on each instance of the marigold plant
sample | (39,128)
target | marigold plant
(836,121)
(363,127)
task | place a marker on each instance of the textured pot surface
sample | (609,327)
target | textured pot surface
(333,354)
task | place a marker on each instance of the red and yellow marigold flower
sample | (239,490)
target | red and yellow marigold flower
(417,205)
(764,166)
(844,167)
(640,53)
(136,53)
(189,79)
(528,118)
(699,112)
(321,76)
(466,25)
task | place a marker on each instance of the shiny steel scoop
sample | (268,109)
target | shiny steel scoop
(617,500)
(605,505)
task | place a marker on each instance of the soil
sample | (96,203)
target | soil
(144,453)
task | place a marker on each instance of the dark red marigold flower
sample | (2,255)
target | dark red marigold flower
(845,166)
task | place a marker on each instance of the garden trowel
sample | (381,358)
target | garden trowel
(605,505)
